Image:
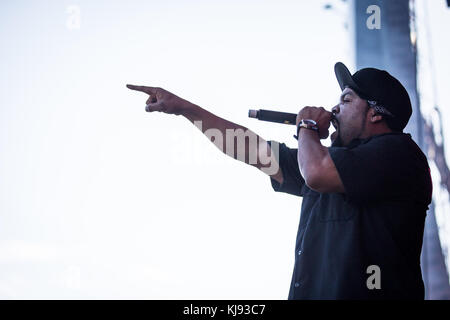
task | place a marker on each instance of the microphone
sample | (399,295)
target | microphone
(273,116)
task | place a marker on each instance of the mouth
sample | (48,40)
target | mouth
(333,136)
(335,124)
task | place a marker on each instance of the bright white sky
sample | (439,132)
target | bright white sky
(99,199)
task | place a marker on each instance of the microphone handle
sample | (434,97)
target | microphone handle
(274,116)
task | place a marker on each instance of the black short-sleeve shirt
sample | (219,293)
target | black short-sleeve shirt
(379,221)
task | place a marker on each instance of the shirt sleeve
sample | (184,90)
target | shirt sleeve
(381,169)
(293,181)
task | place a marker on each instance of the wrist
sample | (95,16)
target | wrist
(308,124)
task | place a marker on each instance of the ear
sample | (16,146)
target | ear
(375,117)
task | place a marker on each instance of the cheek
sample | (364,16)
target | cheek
(350,121)
(345,117)
(351,116)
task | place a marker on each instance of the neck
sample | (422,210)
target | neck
(374,131)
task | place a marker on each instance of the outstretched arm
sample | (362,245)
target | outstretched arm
(232,139)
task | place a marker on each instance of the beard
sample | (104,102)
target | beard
(337,142)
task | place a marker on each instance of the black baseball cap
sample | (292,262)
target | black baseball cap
(380,87)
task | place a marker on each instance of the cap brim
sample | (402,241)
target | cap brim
(344,76)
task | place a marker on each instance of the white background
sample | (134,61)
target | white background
(99,199)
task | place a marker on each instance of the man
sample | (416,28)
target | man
(364,198)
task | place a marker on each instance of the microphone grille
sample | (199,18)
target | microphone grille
(252,113)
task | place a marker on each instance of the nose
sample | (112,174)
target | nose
(335,109)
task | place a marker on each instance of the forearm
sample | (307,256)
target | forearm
(311,155)
(232,139)
(205,120)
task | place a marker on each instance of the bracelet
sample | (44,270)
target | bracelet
(307,124)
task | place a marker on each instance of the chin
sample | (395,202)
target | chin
(337,142)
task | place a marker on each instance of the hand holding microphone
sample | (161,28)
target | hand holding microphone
(321,116)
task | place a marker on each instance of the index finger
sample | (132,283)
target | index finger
(148,90)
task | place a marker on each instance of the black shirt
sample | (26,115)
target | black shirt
(378,221)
